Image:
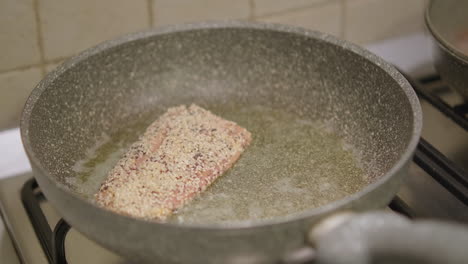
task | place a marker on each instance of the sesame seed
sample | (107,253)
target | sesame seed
(179,155)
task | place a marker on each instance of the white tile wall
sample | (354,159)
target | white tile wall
(180,11)
(371,20)
(15,87)
(70,26)
(29,49)
(51,66)
(18,37)
(267,7)
(324,18)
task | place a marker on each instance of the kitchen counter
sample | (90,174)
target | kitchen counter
(13,161)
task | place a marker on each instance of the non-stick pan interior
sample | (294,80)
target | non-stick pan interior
(133,81)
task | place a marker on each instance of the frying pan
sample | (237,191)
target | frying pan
(311,74)
(448,24)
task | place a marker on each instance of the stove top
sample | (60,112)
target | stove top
(24,236)
(436,187)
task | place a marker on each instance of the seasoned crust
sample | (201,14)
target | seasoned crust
(178,157)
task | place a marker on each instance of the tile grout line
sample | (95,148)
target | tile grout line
(296,9)
(252,10)
(55,60)
(343,19)
(40,40)
(21,68)
(27,67)
(150,13)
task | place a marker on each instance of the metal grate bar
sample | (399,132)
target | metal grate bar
(457,113)
(398,205)
(444,171)
(53,243)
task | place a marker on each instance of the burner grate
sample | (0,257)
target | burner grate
(439,167)
(443,170)
(458,113)
(52,242)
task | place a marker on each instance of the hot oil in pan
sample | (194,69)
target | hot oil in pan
(291,165)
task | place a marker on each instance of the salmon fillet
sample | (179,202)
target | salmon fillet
(177,157)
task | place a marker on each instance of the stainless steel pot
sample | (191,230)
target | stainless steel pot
(447,20)
(309,73)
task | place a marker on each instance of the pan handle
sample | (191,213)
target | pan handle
(385,237)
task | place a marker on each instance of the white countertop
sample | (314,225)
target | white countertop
(411,54)
(13,160)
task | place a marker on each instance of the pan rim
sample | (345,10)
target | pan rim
(441,41)
(232,24)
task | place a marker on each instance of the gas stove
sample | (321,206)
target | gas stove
(436,187)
